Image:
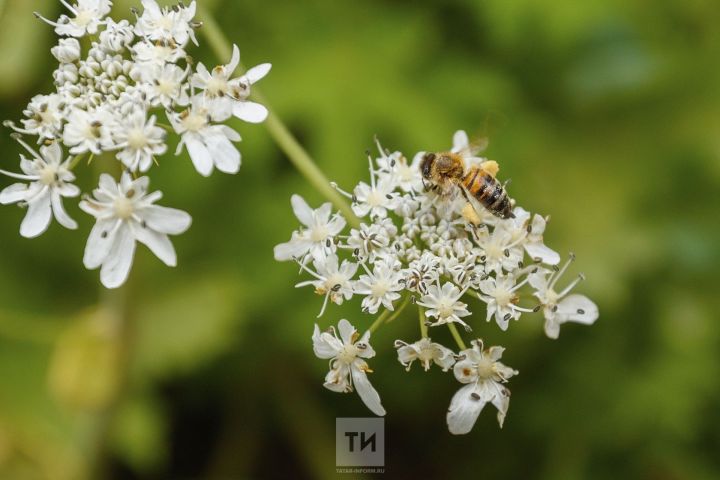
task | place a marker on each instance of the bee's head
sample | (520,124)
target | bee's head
(426,165)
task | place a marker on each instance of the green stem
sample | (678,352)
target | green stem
(399,309)
(75,160)
(278,131)
(423,324)
(378,321)
(456,336)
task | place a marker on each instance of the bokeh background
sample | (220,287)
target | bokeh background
(605,114)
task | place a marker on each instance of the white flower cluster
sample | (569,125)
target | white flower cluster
(114,81)
(439,253)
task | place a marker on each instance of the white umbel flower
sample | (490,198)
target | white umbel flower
(484,375)
(209,146)
(44,116)
(561,307)
(500,295)
(426,352)
(87,15)
(225,96)
(332,281)
(140,140)
(49,179)
(166,24)
(317,238)
(164,84)
(444,304)
(380,287)
(88,131)
(348,370)
(125,213)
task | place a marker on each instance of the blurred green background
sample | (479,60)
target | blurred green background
(605,114)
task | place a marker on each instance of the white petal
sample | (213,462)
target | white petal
(234,60)
(166,220)
(99,243)
(323,346)
(116,267)
(295,248)
(68,190)
(407,354)
(346,331)
(577,308)
(14,193)
(302,210)
(464,410)
(337,378)
(367,392)
(257,72)
(552,326)
(199,155)
(501,401)
(108,184)
(158,243)
(224,153)
(52,153)
(60,215)
(460,141)
(37,218)
(250,112)
(545,254)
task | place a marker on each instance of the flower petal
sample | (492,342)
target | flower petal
(545,254)
(250,112)
(257,72)
(101,239)
(346,331)
(199,154)
(367,392)
(297,247)
(234,60)
(337,378)
(460,141)
(464,410)
(157,242)
(223,153)
(60,214)
(166,220)
(302,210)
(14,193)
(577,308)
(37,218)
(116,267)
(323,346)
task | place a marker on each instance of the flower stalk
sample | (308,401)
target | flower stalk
(282,136)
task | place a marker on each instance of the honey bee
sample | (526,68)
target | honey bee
(445,171)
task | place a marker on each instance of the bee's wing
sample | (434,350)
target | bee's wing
(478,145)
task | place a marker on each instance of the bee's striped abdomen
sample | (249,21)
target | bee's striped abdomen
(488,191)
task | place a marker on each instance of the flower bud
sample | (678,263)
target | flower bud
(67,51)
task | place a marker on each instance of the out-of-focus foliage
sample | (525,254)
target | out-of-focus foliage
(606,115)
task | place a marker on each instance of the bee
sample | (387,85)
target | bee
(445,172)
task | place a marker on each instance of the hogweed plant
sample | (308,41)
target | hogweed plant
(122,91)
(437,251)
